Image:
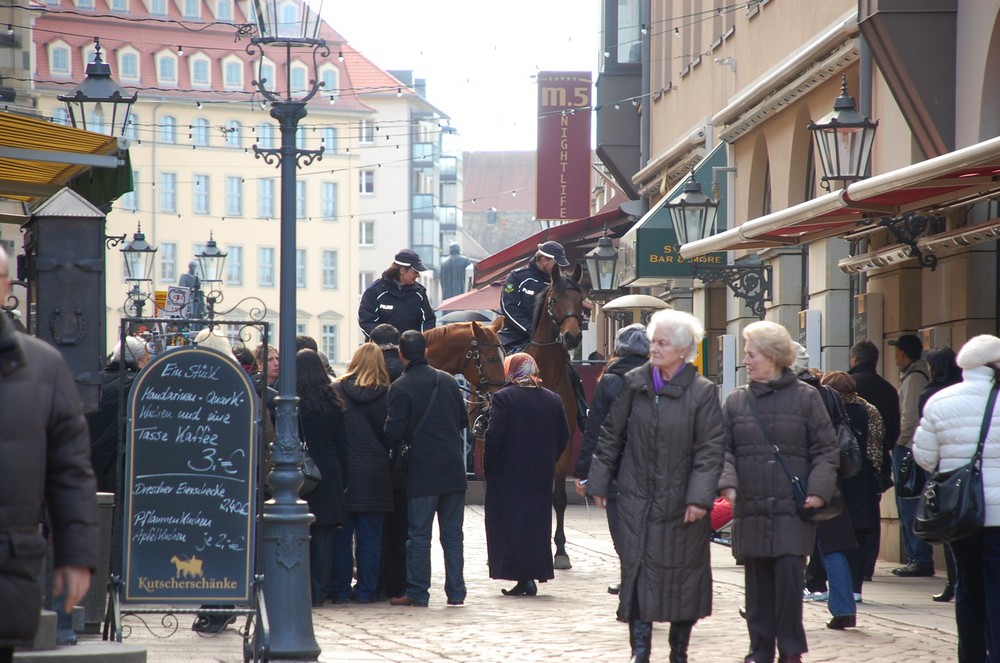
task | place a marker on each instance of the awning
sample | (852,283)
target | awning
(577,237)
(38,158)
(484,299)
(648,253)
(946,180)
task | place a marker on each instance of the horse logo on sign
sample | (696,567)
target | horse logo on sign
(187,568)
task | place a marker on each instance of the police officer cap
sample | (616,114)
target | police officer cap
(554,250)
(409,258)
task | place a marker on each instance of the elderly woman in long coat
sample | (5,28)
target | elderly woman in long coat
(667,475)
(768,534)
(526,435)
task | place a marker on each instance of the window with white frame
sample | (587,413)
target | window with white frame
(168,129)
(132,127)
(288,19)
(365,279)
(234,134)
(166,69)
(300,200)
(265,198)
(265,135)
(168,192)
(329,200)
(234,265)
(224,10)
(200,201)
(130,200)
(234,196)
(201,71)
(367,133)
(158,7)
(366,182)
(330,139)
(59,60)
(265,267)
(331,81)
(328,342)
(300,137)
(329,269)
(128,66)
(366,233)
(60,116)
(266,74)
(300,268)
(168,262)
(192,9)
(199,131)
(119,6)
(84,4)
(298,78)
(233,73)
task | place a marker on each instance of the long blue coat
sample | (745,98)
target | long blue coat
(526,434)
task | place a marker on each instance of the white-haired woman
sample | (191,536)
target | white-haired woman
(947,439)
(667,475)
(768,534)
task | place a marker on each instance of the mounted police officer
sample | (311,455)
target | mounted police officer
(520,292)
(397,298)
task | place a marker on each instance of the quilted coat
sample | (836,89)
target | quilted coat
(673,458)
(766,523)
(949,432)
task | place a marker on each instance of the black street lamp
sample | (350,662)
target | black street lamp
(139,255)
(285,32)
(844,141)
(693,215)
(602,264)
(211,261)
(89,101)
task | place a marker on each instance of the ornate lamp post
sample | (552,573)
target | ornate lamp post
(844,141)
(211,261)
(139,255)
(287,32)
(602,263)
(693,215)
(89,101)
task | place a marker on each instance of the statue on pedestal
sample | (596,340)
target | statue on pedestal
(453,281)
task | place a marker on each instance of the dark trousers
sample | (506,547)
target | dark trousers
(774,605)
(392,561)
(977,596)
(6,654)
(869,545)
(321,561)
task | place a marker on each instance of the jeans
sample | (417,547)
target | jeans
(450,510)
(838,574)
(977,596)
(918,551)
(360,538)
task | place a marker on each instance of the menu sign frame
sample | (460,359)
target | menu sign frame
(191,473)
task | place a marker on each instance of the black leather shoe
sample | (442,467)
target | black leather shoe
(523,588)
(842,622)
(615,588)
(455,602)
(946,595)
(912,570)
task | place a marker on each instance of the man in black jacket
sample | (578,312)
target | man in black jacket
(426,411)
(44,458)
(876,390)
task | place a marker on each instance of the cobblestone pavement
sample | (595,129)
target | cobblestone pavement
(573,617)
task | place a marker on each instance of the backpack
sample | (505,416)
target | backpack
(851,460)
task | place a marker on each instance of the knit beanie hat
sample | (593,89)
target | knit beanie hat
(632,340)
(801,364)
(979,350)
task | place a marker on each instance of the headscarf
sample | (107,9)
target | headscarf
(521,370)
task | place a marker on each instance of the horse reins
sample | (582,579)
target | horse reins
(550,308)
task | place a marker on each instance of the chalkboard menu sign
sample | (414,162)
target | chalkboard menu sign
(190,481)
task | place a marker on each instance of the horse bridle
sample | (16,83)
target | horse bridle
(483,390)
(550,308)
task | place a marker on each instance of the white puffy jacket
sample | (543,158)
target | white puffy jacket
(949,431)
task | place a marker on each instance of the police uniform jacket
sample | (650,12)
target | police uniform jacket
(404,307)
(517,303)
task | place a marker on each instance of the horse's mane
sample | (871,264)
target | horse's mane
(559,285)
(445,330)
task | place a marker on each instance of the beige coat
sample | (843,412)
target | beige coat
(673,458)
(766,522)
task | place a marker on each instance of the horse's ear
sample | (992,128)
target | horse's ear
(577,272)
(556,273)
(497,324)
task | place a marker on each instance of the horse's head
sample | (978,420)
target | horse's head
(561,309)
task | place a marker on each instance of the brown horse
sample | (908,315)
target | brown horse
(472,350)
(557,330)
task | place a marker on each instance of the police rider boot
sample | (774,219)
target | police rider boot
(680,636)
(640,636)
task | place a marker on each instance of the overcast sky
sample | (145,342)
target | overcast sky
(479,58)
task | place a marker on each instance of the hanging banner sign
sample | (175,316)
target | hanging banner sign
(563,176)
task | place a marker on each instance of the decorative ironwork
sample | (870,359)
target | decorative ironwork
(906,229)
(10,306)
(111,241)
(749,279)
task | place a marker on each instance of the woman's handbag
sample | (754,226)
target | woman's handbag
(952,505)
(912,477)
(311,475)
(833,506)
(851,461)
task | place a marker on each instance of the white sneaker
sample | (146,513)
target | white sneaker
(857,598)
(814,596)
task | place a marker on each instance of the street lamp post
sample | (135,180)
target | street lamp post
(139,255)
(88,102)
(284,33)
(211,260)
(602,264)
(844,140)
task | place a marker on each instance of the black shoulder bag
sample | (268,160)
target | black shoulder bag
(833,506)
(400,456)
(952,505)
(851,460)
(311,475)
